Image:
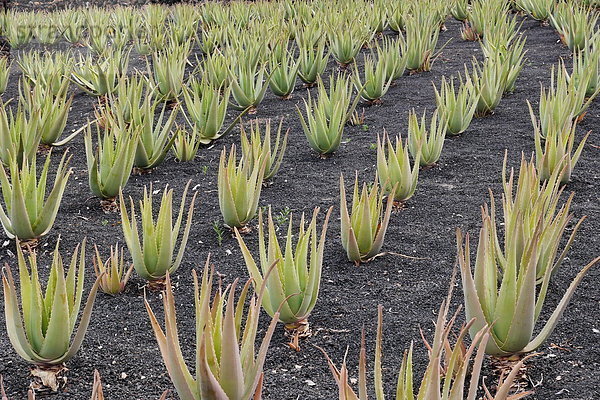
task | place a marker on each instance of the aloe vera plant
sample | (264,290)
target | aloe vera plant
(29,212)
(109,166)
(186,143)
(540,10)
(227,366)
(72,25)
(364,227)
(284,70)
(426,142)
(488,84)
(112,273)
(326,116)
(215,67)
(47,70)
(129,97)
(100,77)
(154,255)
(556,152)
(510,283)
(394,169)
(345,41)
(586,69)
(41,328)
(292,287)
(456,107)
(575,23)
(239,188)
(312,62)
(248,85)
(155,139)
(462,362)
(419,42)
(168,70)
(459,9)
(19,32)
(564,100)
(206,108)
(19,134)
(390,53)
(532,203)
(376,79)
(513,307)
(51,110)
(258,148)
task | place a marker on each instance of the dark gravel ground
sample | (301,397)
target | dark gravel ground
(120,342)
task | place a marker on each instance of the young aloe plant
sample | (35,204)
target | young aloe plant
(207,108)
(575,23)
(452,386)
(112,273)
(376,80)
(215,67)
(19,31)
(394,170)
(19,134)
(155,138)
(327,116)
(428,143)
(154,256)
(52,111)
(365,226)
(586,69)
(556,153)
(540,10)
(312,62)
(239,188)
(30,213)
(100,77)
(72,25)
(109,167)
(48,71)
(258,149)
(186,144)
(346,40)
(41,329)
(284,70)
(419,42)
(248,85)
(227,366)
(390,54)
(459,9)
(292,287)
(488,84)
(564,100)
(397,12)
(456,108)
(129,95)
(168,70)
(484,13)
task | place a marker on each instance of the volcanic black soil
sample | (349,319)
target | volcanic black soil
(120,342)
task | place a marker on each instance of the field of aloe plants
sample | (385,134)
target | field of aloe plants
(219,200)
